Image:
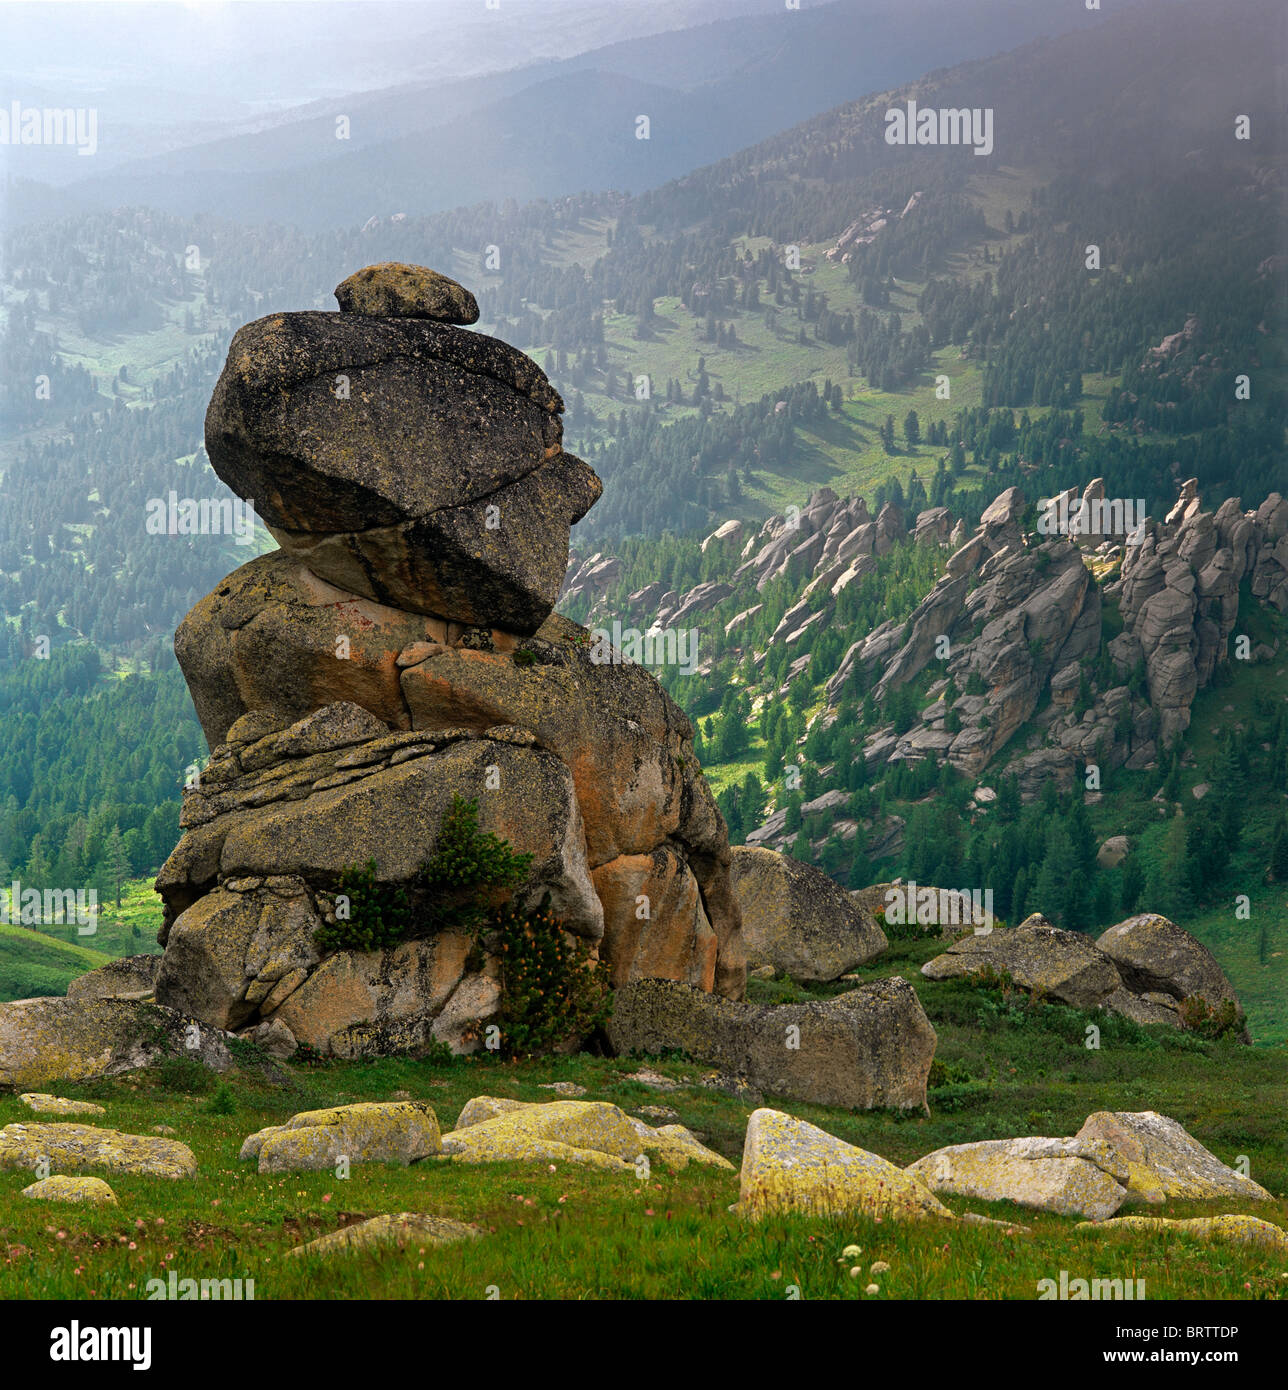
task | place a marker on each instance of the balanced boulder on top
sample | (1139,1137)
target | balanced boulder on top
(403,459)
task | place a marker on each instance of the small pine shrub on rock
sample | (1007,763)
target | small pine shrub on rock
(552,993)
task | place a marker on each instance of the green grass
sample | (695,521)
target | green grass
(1012,1068)
(44,961)
(32,962)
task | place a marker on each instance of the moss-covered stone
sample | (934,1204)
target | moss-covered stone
(526,1131)
(48,1040)
(1165,1162)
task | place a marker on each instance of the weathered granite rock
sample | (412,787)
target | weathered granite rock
(399,1132)
(1236,1230)
(1062,965)
(1164,1161)
(595,1126)
(60,1188)
(1072,1177)
(798,920)
(400,651)
(129,977)
(317,454)
(84,1148)
(42,1104)
(791,1166)
(498,561)
(1154,954)
(45,1040)
(870,1047)
(528,1132)
(402,1229)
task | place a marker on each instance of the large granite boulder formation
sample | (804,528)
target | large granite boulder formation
(400,650)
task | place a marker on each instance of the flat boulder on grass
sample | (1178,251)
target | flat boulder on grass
(1155,955)
(791,1166)
(83,1148)
(399,1229)
(1238,1230)
(1070,1177)
(798,920)
(61,1188)
(400,1132)
(46,1040)
(1064,966)
(43,1104)
(871,1047)
(1165,1161)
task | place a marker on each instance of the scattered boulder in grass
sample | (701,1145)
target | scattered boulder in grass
(83,1148)
(1238,1230)
(1146,969)
(401,1229)
(493,1129)
(46,1040)
(1012,1228)
(1164,1161)
(527,1131)
(43,1104)
(797,920)
(62,1188)
(369,1132)
(870,1047)
(791,1166)
(1153,954)
(1064,966)
(1071,1177)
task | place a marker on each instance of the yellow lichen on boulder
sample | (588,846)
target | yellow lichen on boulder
(1165,1161)
(44,1104)
(399,1228)
(81,1148)
(676,1147)
(369,1132)
(1239,1230)
(791,1166)
(595,1126)
(484,1108)
(529,1131)
(1071,1177)
(61,1188)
